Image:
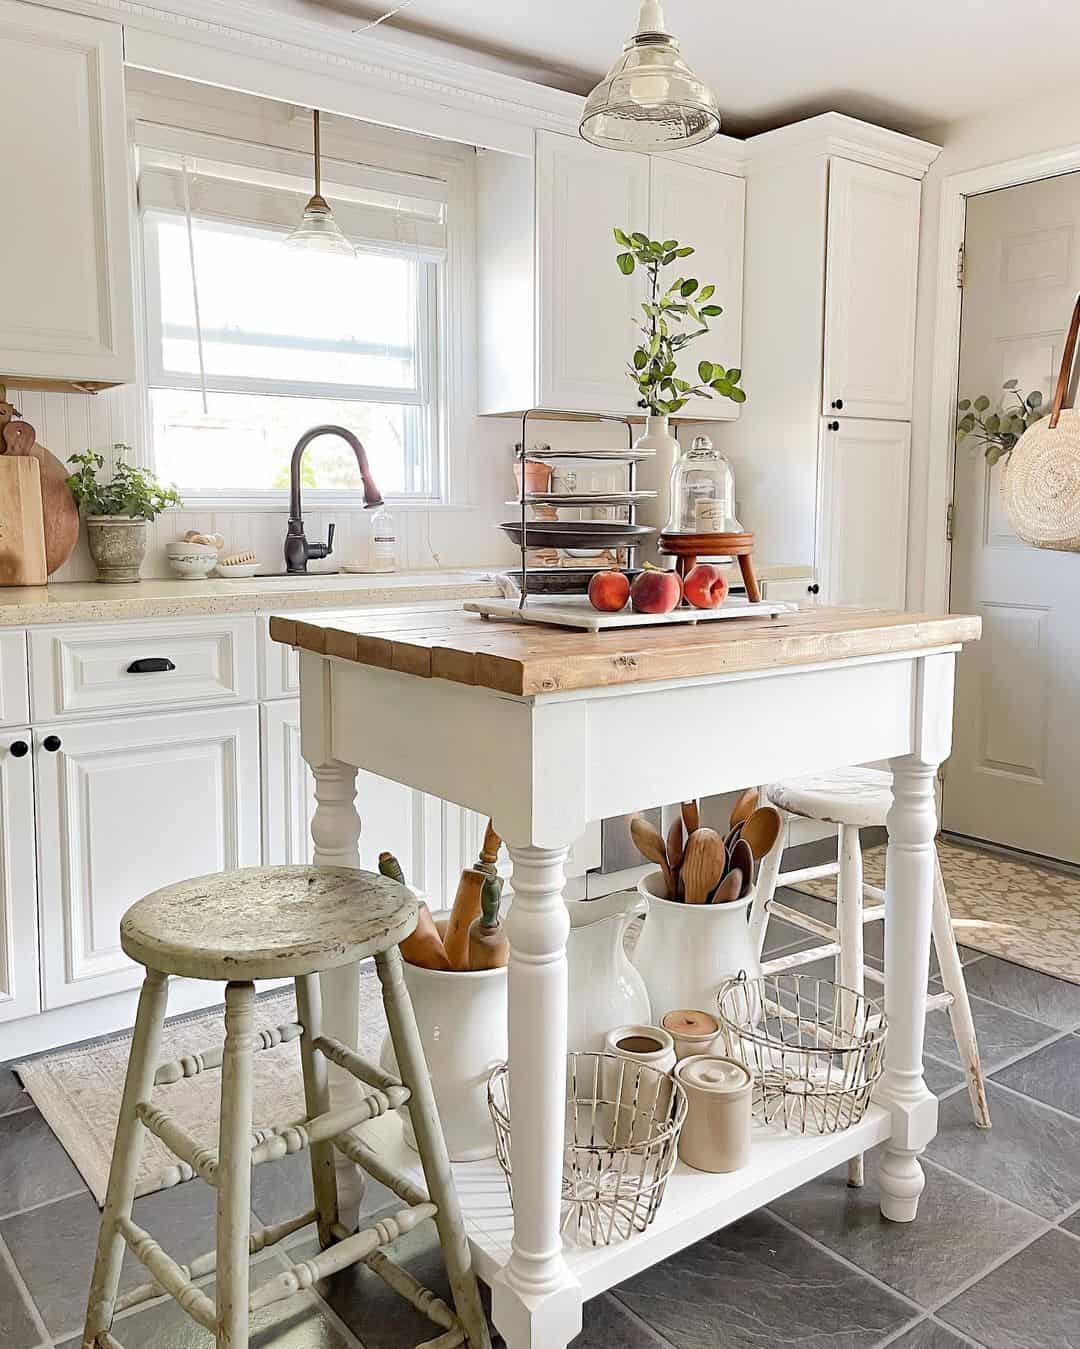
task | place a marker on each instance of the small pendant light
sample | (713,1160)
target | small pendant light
(318,229)
(650,99)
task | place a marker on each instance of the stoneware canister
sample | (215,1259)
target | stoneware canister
(693,1032)
(686,951)
(461,1016)
(637,1044)
(716,1134)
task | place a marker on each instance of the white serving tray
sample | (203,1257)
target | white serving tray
(575,611)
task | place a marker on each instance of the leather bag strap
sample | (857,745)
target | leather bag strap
(1065,373)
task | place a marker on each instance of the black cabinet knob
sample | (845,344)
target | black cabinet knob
(814,589)
(19,749)
(834,426)
(838,404)
(51,743)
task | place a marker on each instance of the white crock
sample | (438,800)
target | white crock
(461,1016)
(686,951)
(605,990)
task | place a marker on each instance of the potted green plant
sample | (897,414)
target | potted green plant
(117,511)
(667,309)
(997,430)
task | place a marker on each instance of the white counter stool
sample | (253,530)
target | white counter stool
(854,799)
(266,923)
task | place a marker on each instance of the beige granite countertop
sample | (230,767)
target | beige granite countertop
(90,601)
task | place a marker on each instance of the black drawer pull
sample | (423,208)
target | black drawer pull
(19,749)
(151,665)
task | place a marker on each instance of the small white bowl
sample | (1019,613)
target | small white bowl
(236,571)
(192,561)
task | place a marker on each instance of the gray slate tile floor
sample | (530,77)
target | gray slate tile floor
(993,1260)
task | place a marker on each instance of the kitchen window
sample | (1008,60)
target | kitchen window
(249,343)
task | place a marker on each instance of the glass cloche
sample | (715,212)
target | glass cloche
(702,492)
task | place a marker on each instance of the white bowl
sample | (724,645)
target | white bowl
(236,571)
(192,561)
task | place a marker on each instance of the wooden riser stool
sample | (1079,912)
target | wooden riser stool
(854,799)
(269,923)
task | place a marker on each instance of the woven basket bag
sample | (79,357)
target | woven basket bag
(1040,486)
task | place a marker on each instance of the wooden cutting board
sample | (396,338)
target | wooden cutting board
(18,437)
(22,522)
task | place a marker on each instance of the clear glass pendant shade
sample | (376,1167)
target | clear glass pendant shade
(650,98)
(318,230)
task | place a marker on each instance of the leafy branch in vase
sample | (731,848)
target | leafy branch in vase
(998,431)
(667,309)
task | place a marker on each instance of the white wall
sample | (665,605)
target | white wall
(1021,126)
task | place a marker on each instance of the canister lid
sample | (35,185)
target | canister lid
(691,1025)
(712,1074)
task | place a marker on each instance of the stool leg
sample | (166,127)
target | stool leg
(317,1102)
(234,1168)
(952,977)
(849,963)
(432,1148)
(766,888)
(127,1149)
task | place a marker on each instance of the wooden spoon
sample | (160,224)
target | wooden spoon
(742,859)
(691,816)
(650,844)
(762,830)
(745,805)
(703,864)
(733,833)
(728,889)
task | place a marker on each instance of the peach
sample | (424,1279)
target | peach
(705,586)
(655,591)
(609,591)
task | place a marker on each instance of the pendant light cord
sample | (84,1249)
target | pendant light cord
(318,151)
(195,281)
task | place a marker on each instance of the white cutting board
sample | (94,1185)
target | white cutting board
(575,611)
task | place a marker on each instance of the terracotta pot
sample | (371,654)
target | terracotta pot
(117,544)
(537,476)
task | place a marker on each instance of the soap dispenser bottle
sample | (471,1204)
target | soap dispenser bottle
(384,551)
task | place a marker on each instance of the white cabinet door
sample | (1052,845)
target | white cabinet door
(706,210)
(870,283)
(123,807)
(19,995)
(863,510)
(587,309)
(67,307)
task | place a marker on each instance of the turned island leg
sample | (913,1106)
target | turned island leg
(536,1301)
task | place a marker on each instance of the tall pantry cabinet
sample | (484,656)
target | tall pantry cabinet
(822,447)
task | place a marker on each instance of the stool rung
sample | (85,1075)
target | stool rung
(365,1156)
(204,1060)
(874,914)
(412,1290)
(808,924)
(277,1141)
(356,1064)
(796,958)
(203,1161)
(818,873)
(340,1256)
(168,1273)
(936,1000)
(874,892)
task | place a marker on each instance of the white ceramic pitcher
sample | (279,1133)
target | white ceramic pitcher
(686,951)
(604,988)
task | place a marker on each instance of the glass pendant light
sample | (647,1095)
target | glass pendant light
(650,99)
(317,228)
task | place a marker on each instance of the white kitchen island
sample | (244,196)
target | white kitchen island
(547,730)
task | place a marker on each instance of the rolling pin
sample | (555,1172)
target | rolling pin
(489,948)
(489,850)
(423,946)
(466,908)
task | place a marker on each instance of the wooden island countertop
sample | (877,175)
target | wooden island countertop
(442,641)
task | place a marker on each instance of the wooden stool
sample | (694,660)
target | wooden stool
(687,548)
(265,923)
(854,799)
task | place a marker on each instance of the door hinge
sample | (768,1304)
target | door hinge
(960,267)
(950,521)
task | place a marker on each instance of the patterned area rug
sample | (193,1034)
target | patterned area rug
(78,1090)
(1023,913)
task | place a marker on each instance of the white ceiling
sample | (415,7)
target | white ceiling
(908,65)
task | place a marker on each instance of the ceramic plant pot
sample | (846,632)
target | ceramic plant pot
(117,544)
(686,951)
(605,990)
(461,1016)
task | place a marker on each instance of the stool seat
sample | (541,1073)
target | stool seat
(860,797)
(267,922)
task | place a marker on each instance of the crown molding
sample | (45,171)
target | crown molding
(833,133)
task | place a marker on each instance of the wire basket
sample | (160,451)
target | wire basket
(623,1121)
(815,1048)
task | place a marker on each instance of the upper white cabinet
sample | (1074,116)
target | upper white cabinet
(557,319)
(871,278)
(64,230)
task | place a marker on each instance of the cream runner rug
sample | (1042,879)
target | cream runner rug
(78,1090)
(1020,912)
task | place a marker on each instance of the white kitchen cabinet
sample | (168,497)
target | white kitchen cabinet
(871,278)
(64,233)
(125,806)
(19,982)
(706,209)
(14,679)
(863,520)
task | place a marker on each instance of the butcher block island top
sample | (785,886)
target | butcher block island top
(442,641)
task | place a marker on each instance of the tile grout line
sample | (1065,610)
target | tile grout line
(984,1189)
(45,1203)
(18,1109)
(8,1260)
(321,1305)
(1056,1109)
(637,1318)
(991,1268)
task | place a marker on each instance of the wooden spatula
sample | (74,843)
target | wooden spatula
(691,816)
(703,864)
(650,844)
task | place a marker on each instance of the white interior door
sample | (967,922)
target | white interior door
(1014,775)
(872,261)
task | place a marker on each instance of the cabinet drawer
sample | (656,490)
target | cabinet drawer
(14,686)
(279,665)
(792,590)
(96,668)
